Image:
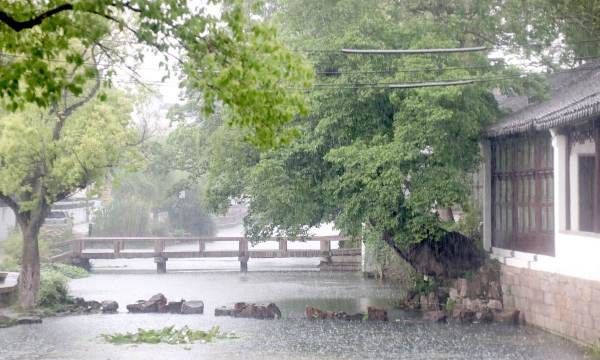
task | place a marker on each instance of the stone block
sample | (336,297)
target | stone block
(453,294)
(435,316)
(462,287)
(192,307)
(109,306)
(375,314)
(494,305)
(484,316)
(507,317)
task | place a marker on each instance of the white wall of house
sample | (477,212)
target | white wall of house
(576,253)
(7,221)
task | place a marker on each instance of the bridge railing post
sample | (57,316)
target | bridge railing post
(117,247)
(201,246)
(283,246)
(159,258)
(159,247)
(243,254)
(325,246)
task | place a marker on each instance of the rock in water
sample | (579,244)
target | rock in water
(255,311)
(25,320)
(109,306)
(223,311)
(192,307)
(435,316)
(137,307)
(174,307)
(485,316)
(374,313)
(156,304)
(508,317)
(275,310)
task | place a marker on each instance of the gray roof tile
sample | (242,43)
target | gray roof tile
(574,97)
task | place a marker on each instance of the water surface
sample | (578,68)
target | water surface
(293,337)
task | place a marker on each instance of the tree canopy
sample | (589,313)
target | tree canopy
(230,55)
(376,161)
(48,155)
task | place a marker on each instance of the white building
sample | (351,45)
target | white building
(542,204)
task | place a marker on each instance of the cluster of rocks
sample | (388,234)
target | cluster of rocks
(82,306)
(75,306)
(254,311)
(159,304)
(477,298)
(372,314)
(7,321)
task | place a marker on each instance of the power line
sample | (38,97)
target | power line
(413,51)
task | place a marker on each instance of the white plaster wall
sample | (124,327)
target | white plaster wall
(578,253)
(7,221)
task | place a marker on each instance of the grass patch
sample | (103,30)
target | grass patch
(168,335)
(69,271)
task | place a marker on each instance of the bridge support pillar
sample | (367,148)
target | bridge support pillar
(161,264)
(243,264)
(82,263)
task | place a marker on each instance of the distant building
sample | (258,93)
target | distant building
(541,204)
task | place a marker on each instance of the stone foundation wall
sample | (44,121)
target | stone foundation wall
(561,304)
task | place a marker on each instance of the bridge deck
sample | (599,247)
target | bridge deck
(136,254)
(85,249)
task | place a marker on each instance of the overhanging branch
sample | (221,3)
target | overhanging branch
(10,202)
(17,26)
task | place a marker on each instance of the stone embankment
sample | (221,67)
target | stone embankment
(159,304)
(373,314)
(476,298)
(254,311)
(75,306)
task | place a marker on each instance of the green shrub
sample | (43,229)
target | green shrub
(12,247)
(69,271)
(470,224)
(54,289)
(592,352)
(450,305)
(168,335)
(424,285)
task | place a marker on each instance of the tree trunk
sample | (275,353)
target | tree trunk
(29,277)
(451,256)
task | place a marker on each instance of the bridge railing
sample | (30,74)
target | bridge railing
(79,245)
(85,248)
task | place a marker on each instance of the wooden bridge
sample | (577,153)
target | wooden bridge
(81,250)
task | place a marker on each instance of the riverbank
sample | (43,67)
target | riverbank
(293,337)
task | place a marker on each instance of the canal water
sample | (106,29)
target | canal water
(290,283)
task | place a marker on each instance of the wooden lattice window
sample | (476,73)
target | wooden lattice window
(523,193)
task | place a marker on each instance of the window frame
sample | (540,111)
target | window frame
(522,177)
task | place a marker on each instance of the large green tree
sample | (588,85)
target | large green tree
(222,49)
(47,155)
(374,160)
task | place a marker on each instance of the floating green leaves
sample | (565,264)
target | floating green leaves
(168,335)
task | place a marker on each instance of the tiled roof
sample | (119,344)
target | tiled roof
(574,97)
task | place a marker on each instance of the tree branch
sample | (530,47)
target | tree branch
(10,202)
(17,26)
